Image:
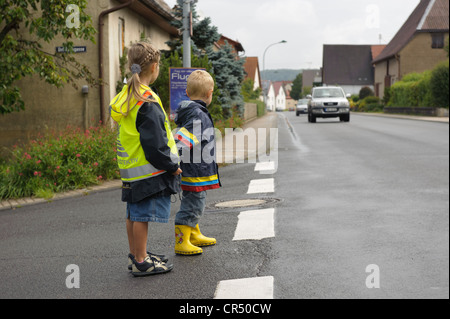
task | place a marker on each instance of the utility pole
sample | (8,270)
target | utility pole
(187,32)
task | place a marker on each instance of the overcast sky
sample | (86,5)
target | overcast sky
(305,24)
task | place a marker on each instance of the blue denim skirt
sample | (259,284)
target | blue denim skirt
(153,209)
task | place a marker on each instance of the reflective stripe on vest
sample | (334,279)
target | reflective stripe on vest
(139,173)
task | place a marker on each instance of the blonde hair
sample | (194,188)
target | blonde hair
(140,56)
(199,84)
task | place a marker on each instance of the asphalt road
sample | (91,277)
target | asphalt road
(374,191)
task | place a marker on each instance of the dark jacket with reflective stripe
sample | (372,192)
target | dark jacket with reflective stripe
(197,144)
(150,125)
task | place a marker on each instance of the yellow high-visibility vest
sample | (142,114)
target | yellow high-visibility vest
(131,158)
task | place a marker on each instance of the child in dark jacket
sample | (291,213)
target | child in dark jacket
(197,145)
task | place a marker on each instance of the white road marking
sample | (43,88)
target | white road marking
(265,167)
(261,186)
(255,225)
(247,288)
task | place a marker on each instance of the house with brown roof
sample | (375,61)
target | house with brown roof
(119,23)
(251,67)
(236,45)
(418,45)
(349,66)
(280,96)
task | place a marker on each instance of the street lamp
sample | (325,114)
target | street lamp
(264,57)
(264,65)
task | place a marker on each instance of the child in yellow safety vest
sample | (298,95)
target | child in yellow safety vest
(147,157)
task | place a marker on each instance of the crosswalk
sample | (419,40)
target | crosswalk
(253,225)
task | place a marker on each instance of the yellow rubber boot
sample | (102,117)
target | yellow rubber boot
(183,244)
(199,240)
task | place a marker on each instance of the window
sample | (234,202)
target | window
(437,40)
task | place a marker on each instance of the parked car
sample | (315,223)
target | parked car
(302,107)
(326,102)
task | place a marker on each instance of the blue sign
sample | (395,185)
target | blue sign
(178,84)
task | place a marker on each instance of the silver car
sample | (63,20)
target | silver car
(302,107)
(326,102)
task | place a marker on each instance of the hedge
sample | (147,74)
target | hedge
(427,89)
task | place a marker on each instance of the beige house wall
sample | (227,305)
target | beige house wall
(418,56)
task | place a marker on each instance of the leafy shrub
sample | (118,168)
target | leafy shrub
(56,162)
(413,91)
(427,89)
(370,104)
(365,92)
(354,98)
(439,85)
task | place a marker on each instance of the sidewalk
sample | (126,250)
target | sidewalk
(247,144)
(407,117)
(237,154)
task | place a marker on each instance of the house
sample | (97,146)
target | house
(236,45)
(418,45)
(290,102)
(120,23)
(348,66)
(280,96)
(310,78)
(252,70)
(270,96)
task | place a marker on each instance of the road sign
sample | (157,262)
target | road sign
(178,84)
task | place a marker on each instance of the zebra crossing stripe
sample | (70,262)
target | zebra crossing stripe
(261,186)
(255,225)
(265,167)
(246,288)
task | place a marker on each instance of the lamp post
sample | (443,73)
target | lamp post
(187,30)
(264,65)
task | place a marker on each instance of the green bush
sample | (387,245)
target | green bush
(365,92)
(354,98)
(439,85)
(370,104)
(427,89)
(57,162)
(413,91)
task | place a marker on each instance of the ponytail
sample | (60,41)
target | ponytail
(141,56)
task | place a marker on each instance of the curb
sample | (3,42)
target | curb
(22,202)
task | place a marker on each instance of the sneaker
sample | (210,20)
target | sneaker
(159,258)
(150,267)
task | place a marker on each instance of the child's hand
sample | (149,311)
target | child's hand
(178,172)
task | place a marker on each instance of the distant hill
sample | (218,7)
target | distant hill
(280,75)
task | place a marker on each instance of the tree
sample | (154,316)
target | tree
(227,69)
(248,91)
(205,34)
(25,25)
(297,87)
(365,92)
(229,73)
